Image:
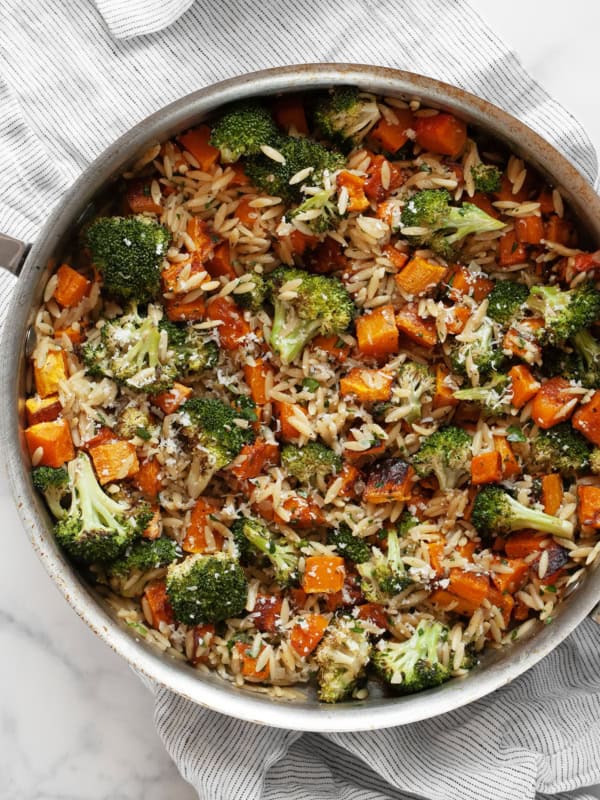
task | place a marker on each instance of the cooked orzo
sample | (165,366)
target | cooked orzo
(318,398)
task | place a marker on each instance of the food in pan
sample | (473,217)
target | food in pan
(317,397)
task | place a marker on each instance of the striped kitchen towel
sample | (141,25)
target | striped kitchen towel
(73,77)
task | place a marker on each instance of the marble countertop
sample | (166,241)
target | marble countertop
(75,722)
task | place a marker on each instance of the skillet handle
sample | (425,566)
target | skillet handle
(12,253)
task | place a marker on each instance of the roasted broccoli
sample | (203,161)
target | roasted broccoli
(506,300)
(298,154)
(413,665)
(242,130)
(212,424)
(494,397)
(407,521)
(431,209)
(133,421)
(345,115)
(144,555)
(308,463)
(588,351)
(189,349)
(484,353)
(384,574)
(129,351)
(206,588)
(281,554)
(254,298)
(54,484)
(496,513)
(321,306)
(96,527)
(128,251)
(342,657)
(445,454)
(486,177)
(351,547)
(318,213)
(565,312)
(413,382)
(561,449)
(595,461)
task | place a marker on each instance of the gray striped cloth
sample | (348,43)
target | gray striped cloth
(73,76)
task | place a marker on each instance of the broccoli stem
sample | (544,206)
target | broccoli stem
(523,517)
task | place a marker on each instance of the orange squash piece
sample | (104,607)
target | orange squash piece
(196,539)
(42,409)
(419,276)
(524,385)
(509,462)
(377,333)
(332,346)
(55,440)
(588,510)
(552,493)
(71,287)
(511,581)
(368,385)
(469,585)
(195,142)
(323,574)
(587,419)
(256,379)
(522,543)
(248,664)
(307,634)
(220,264)
(158,602)
(185,311)
(148,480)
(255,459)
(553,403)
(48,377)
(170,400)
(444,387)
(115,461)
(234,329)
(285,413)
(391,136)
(486,468)
(442,133)
(389,480)
(355,186)
(421,331)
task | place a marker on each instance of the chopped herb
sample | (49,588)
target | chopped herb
(310,384)
(515,434)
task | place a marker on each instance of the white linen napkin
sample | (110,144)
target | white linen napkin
(74,76)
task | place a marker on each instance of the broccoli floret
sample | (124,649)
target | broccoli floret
(431,209)
(144,555)
(281,554)
(133,421)
(407,521)
(242,130)
(384,574)
(484,353)
(54,484)
(212,423)
(299,154)
(349,546)
(496,513)
(255,297)
(588,350)
(308,463)
(494,397)
(486,178)
(565,313)
(321,306)
(129,251)
(345,116)
(413,381)
(96,528)
(342,657)
(560,448)
(506,300)
(319,212)
(206,588)
(129,352)
(595,461)
(189,349)
(445,454)
(413,665)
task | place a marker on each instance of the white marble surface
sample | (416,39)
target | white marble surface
(75,723)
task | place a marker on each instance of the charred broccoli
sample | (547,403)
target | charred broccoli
(128,251)
(54,484)
(486,178)
(206,588)
(430,209)
(351,547)
(242,130)
(281,554)
(506,300)
(254,298)
(342,657)
(588,352)
(413,665)
(318,213)
(565,312)
(144,555)
(298,154)
(560,448)
(413,382)
(321,306)
(308,463)
(345,115)
(384,574)
(189,349)
(134,421)
(445,454)
(494,397)
(495,513)
(96,527)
